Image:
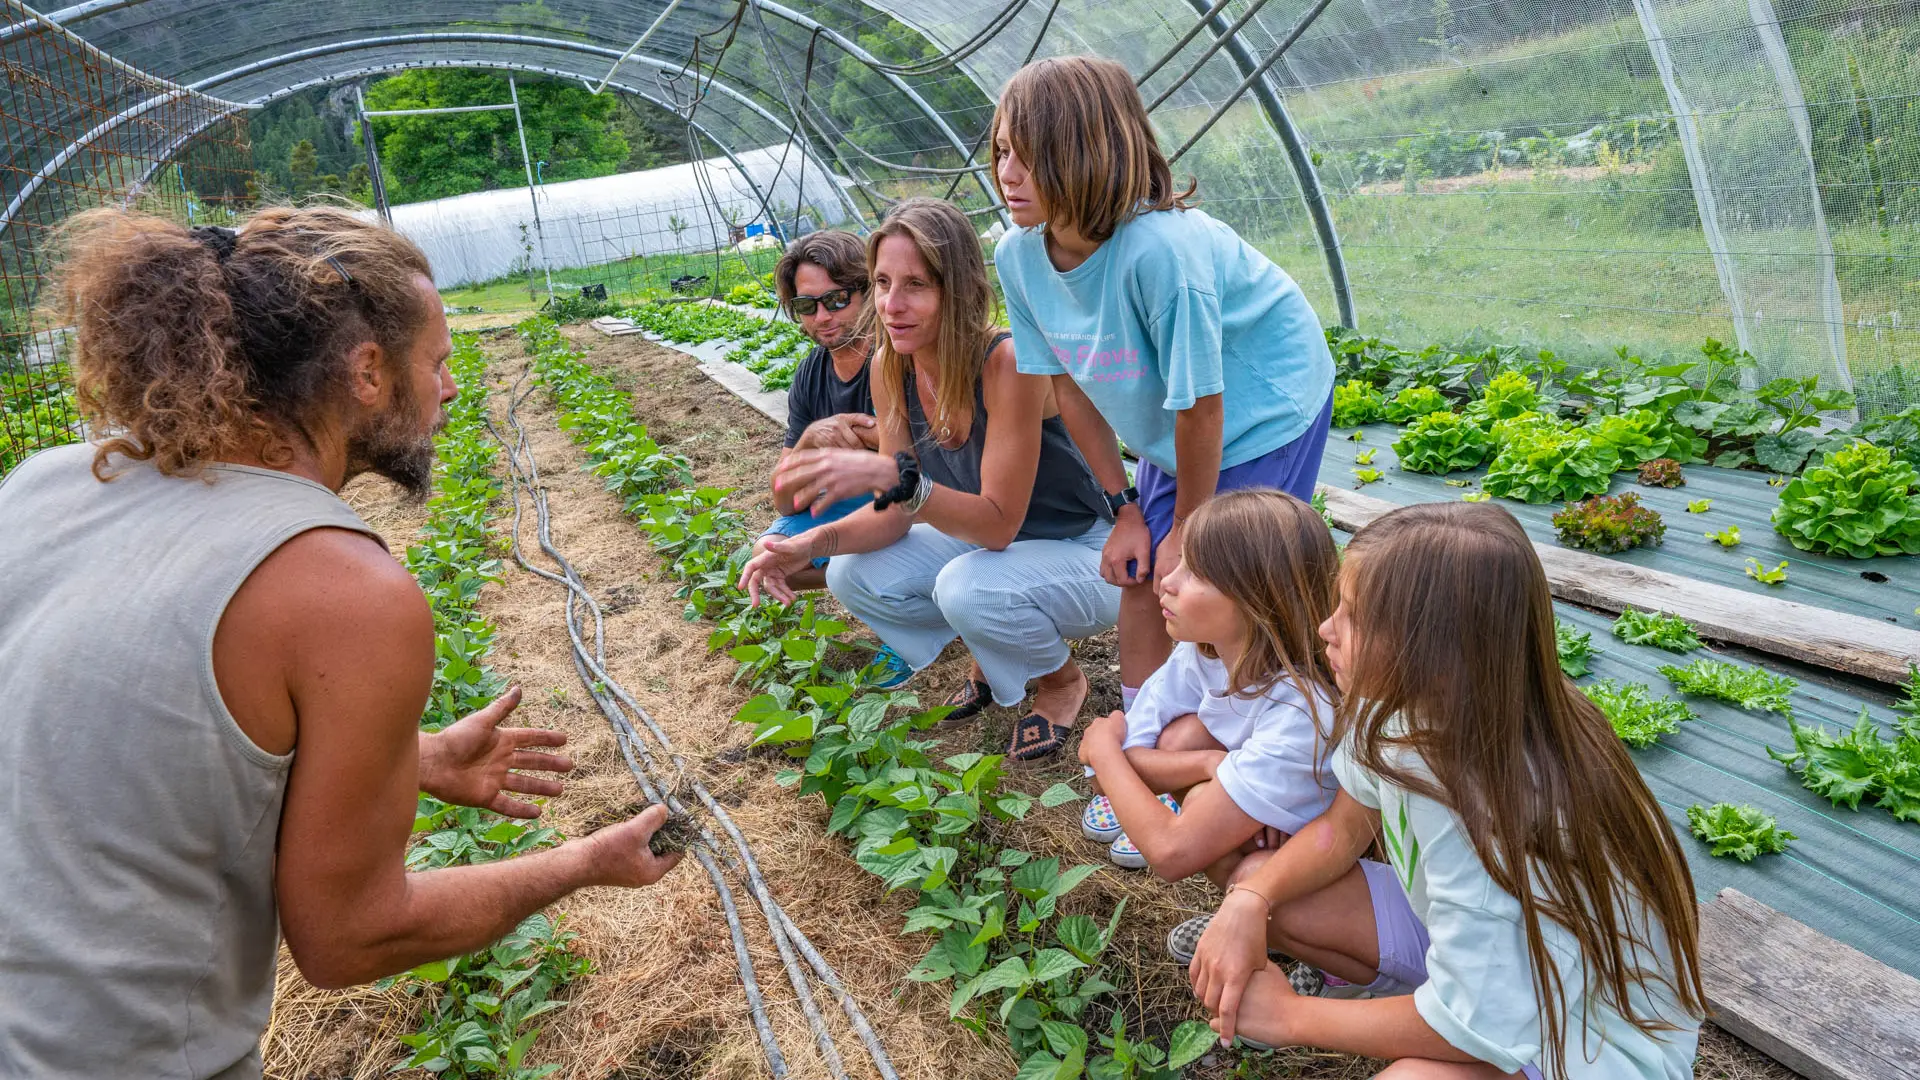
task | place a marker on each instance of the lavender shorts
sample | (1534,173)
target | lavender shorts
(1292,468)
(1403,938)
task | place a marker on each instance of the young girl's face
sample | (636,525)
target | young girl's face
(905,296)
(1016,184)
(1337,632)
(1196,611)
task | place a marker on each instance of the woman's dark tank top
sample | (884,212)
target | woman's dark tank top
(1067,500)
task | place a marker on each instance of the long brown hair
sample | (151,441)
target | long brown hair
(946,241)
(1272,555)
(1454,632)
(192,344)
(1078,123)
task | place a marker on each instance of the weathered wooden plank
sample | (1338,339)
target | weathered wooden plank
(1822,1009)
(1814,635)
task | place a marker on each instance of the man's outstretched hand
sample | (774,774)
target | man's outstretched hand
(476,762)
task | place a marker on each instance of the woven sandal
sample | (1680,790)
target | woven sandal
(1036,737)
(967,701)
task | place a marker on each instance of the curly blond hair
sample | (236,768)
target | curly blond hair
(191,344)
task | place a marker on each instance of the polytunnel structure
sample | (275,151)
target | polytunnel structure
(1548,173)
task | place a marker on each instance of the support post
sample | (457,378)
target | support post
(540,233)
(1303,170)
(378,182)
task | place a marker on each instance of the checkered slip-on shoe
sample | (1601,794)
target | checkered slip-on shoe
(1122,851)
(1182,940)
(1097,822)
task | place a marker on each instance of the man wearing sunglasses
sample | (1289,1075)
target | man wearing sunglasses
(822,284)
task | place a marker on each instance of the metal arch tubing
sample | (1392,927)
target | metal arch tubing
(1303,170)
(375,69)
(873,63)
(54,164)
(514,39)
(539,69)
(91,8)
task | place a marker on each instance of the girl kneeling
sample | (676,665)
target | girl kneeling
(1235,724)
(1536,905)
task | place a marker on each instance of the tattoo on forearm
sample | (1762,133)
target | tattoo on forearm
(826,543)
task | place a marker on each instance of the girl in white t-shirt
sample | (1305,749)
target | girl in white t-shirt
(1234,726)
(1535,916)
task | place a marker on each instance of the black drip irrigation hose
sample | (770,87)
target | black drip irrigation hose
(610,695)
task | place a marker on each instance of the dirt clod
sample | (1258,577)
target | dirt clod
(677,834)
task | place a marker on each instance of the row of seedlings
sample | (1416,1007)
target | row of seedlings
(1011,962)
(480,1018)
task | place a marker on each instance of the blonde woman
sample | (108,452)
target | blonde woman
(988,525)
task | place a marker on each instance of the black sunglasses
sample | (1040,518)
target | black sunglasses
(833,300)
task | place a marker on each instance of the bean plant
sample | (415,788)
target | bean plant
(916,823)
(483,1002)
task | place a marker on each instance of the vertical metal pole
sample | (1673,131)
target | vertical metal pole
(1302,161)
(374,178)
(539,231)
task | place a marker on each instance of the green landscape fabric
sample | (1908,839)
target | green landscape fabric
(1739,497)
(1852,875)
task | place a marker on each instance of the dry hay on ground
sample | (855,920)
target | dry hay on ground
(665,1000)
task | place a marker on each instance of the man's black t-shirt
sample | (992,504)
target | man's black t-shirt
(818,393)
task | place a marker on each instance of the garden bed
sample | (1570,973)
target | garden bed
(1886,588)
(1721,1056)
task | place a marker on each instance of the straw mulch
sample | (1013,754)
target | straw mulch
(665,1001)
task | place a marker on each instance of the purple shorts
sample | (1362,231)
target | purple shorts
(1402,937)
(1292,468)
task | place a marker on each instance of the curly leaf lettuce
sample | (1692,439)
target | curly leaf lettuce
(1857,765)
(1858,501)
(1442,442)
(1738,832)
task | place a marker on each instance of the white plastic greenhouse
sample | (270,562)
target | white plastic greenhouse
(490,234)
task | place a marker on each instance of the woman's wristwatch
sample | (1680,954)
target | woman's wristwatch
(1129,495)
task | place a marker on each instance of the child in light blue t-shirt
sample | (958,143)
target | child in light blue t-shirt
(1159,325)
(1533,915)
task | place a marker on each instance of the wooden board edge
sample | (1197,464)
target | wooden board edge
(1819,636)
(1837,979)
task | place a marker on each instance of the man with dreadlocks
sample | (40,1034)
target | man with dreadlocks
(213,672)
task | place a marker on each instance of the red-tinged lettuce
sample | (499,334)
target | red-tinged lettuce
(1609,523)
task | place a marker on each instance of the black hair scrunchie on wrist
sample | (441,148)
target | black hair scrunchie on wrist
(909,482)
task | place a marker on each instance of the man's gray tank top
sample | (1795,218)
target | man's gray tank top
(137,924)
(1067,499)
